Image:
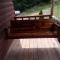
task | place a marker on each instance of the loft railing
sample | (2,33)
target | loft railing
(38,17)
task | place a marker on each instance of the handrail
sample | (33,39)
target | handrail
(32,16)
(35,17)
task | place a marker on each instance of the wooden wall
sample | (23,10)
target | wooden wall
(6,14)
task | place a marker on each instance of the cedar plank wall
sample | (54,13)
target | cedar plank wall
(6,14)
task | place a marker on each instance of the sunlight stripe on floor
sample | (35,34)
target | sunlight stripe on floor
(39,43)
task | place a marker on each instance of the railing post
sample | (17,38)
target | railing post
(14,18)
(22,18)
(35,17)
(29,18)
(41,17)
(6,33)
(58,33)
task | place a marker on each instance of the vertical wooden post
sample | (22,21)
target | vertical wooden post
(6,33)
(41,17)
(14,18)
(58,33)
(35,17)
(52,7)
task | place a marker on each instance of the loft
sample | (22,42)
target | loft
(33,26)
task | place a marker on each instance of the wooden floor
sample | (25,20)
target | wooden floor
(34,49)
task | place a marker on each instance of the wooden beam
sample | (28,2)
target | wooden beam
(52,7)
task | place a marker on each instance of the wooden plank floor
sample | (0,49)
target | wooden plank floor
(34,49)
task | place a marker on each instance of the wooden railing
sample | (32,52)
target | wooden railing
(35,25)
(38,17)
